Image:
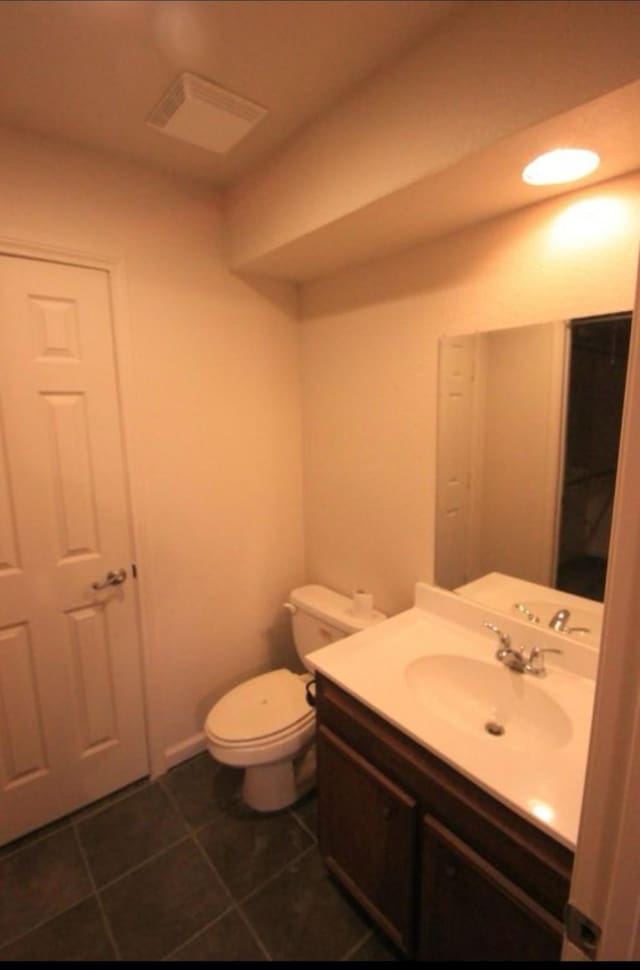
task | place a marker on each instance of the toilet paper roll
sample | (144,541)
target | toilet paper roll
(362,603)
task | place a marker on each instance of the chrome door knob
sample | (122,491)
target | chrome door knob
(113,578)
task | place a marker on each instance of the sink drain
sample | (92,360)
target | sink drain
(492,727)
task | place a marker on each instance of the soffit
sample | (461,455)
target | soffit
(481,186)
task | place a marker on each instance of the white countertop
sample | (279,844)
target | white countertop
(537,773)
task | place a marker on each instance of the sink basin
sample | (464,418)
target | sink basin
(488,699)
(582,624)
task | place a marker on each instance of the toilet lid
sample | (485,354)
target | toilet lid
(262,706)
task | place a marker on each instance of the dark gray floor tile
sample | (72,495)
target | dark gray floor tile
(202,787)
(35,836)
(98,806)
(228,940)
(40,881)
(376,949)
(129,832)
(162,904)
(78,934)
(307,811)
(301,914)
(247,847)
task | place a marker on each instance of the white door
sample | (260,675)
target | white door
(71,710)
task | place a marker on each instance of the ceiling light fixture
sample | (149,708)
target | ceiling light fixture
(560,165)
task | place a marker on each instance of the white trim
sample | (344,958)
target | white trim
(573,954)
(554,457)
(11,246)
(606,875)
(562,449)
(135,490)
(144,560)
(185,749)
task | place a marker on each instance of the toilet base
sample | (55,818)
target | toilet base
(271,787)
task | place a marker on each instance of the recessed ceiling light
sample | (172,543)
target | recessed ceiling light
(560,165)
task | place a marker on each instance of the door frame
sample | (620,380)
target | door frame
(606,875)
(130,431)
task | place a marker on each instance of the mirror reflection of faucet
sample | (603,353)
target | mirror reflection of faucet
(559,619)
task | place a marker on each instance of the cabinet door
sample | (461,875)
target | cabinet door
(367,831)
(470,911)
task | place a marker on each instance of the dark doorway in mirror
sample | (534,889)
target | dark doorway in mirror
(584,576)
(599,348)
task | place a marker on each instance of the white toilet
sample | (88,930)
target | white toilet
(266,724)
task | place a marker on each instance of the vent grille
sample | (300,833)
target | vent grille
(204,114)
(220,98)
(172,100)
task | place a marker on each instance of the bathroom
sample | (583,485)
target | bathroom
(280,433)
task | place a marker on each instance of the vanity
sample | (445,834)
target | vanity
(450,786)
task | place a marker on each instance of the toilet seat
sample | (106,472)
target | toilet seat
(263,711)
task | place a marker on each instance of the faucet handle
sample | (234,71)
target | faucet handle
(504,638)
(535,663)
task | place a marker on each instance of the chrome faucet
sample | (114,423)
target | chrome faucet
(516,660)
(559,620)
(505,652)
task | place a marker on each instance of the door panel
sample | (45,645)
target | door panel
(455,403)
(71,710)
(24,747)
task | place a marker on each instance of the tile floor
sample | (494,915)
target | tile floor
(178,869)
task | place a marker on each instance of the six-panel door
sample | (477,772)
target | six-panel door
(71,710)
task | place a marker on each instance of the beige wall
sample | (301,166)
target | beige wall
(370,362)
(521,453)
(215,414)
(216,411)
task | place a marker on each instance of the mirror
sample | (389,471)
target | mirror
(528,433)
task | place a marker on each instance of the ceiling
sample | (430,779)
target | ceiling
(90,71)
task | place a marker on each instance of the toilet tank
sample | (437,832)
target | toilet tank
(320,616)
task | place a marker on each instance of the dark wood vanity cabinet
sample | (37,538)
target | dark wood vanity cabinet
(368,838)
(470,911)
(446,871)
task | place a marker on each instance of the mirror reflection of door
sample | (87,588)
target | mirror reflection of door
(456,410)
(498,452)
(511,497)
(599,348)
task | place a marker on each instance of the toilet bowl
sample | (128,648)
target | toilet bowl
(266,725)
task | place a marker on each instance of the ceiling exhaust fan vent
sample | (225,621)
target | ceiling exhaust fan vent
(197,111)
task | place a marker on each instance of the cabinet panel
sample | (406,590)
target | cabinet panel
(469,911)
(523,853)
(367,832)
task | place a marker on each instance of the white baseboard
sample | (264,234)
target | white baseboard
(185,749)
